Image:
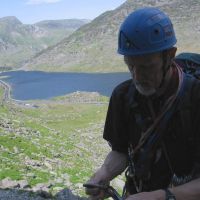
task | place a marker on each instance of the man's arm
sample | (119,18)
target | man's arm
(188,191)
(114,164)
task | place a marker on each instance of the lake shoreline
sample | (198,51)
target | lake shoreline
(34,85)
(7,96)
(72,98)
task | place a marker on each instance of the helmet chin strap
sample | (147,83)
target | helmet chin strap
(165,67)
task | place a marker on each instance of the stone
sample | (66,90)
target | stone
(15,149)
(23,184)
(8,183)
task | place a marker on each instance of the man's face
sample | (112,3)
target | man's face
(147,72)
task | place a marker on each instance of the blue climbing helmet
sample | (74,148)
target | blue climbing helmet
(144,31)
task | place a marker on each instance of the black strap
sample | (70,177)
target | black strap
(169,195)
(145,156)
(184,109)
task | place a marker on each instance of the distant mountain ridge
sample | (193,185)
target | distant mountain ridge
(18,41)
(92,48)
(62,24)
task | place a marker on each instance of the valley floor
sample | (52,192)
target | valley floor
(52,146)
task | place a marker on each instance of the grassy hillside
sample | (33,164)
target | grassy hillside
(19,42)
(58,144)
(93,47)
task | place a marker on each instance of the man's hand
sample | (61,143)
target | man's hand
(114,164)
(99,178)
(96,193)
(155,195)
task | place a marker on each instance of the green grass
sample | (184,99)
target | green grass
(53,132)
(38,177)
(66,117)
(13,173)
(1,92)
(4,109)
(25,145)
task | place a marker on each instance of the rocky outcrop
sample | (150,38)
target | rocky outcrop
(16,194)
(23,152)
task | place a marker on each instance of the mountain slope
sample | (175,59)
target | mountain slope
(93,46)
(19,42)
(62,24)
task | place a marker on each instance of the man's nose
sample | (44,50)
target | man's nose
(141,74)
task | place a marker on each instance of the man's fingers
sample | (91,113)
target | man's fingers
(100,196)
(92,191)
(97,190)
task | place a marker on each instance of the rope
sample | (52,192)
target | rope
(167,106)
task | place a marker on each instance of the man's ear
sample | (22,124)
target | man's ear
(172,52)
(169,55)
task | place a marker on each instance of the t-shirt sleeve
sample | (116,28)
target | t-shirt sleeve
(115,130)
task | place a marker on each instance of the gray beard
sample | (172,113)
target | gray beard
(145,91)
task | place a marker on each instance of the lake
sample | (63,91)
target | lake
(29,85)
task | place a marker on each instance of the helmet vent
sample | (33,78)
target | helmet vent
(156,31)
(146,30)
(125,42)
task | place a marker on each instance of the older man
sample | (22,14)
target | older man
(153,120)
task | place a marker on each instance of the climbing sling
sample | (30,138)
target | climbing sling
(149,141)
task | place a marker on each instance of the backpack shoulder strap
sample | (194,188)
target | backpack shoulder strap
(185,106)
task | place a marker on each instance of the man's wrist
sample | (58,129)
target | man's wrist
(169,195)
(101,176)
(160,194)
